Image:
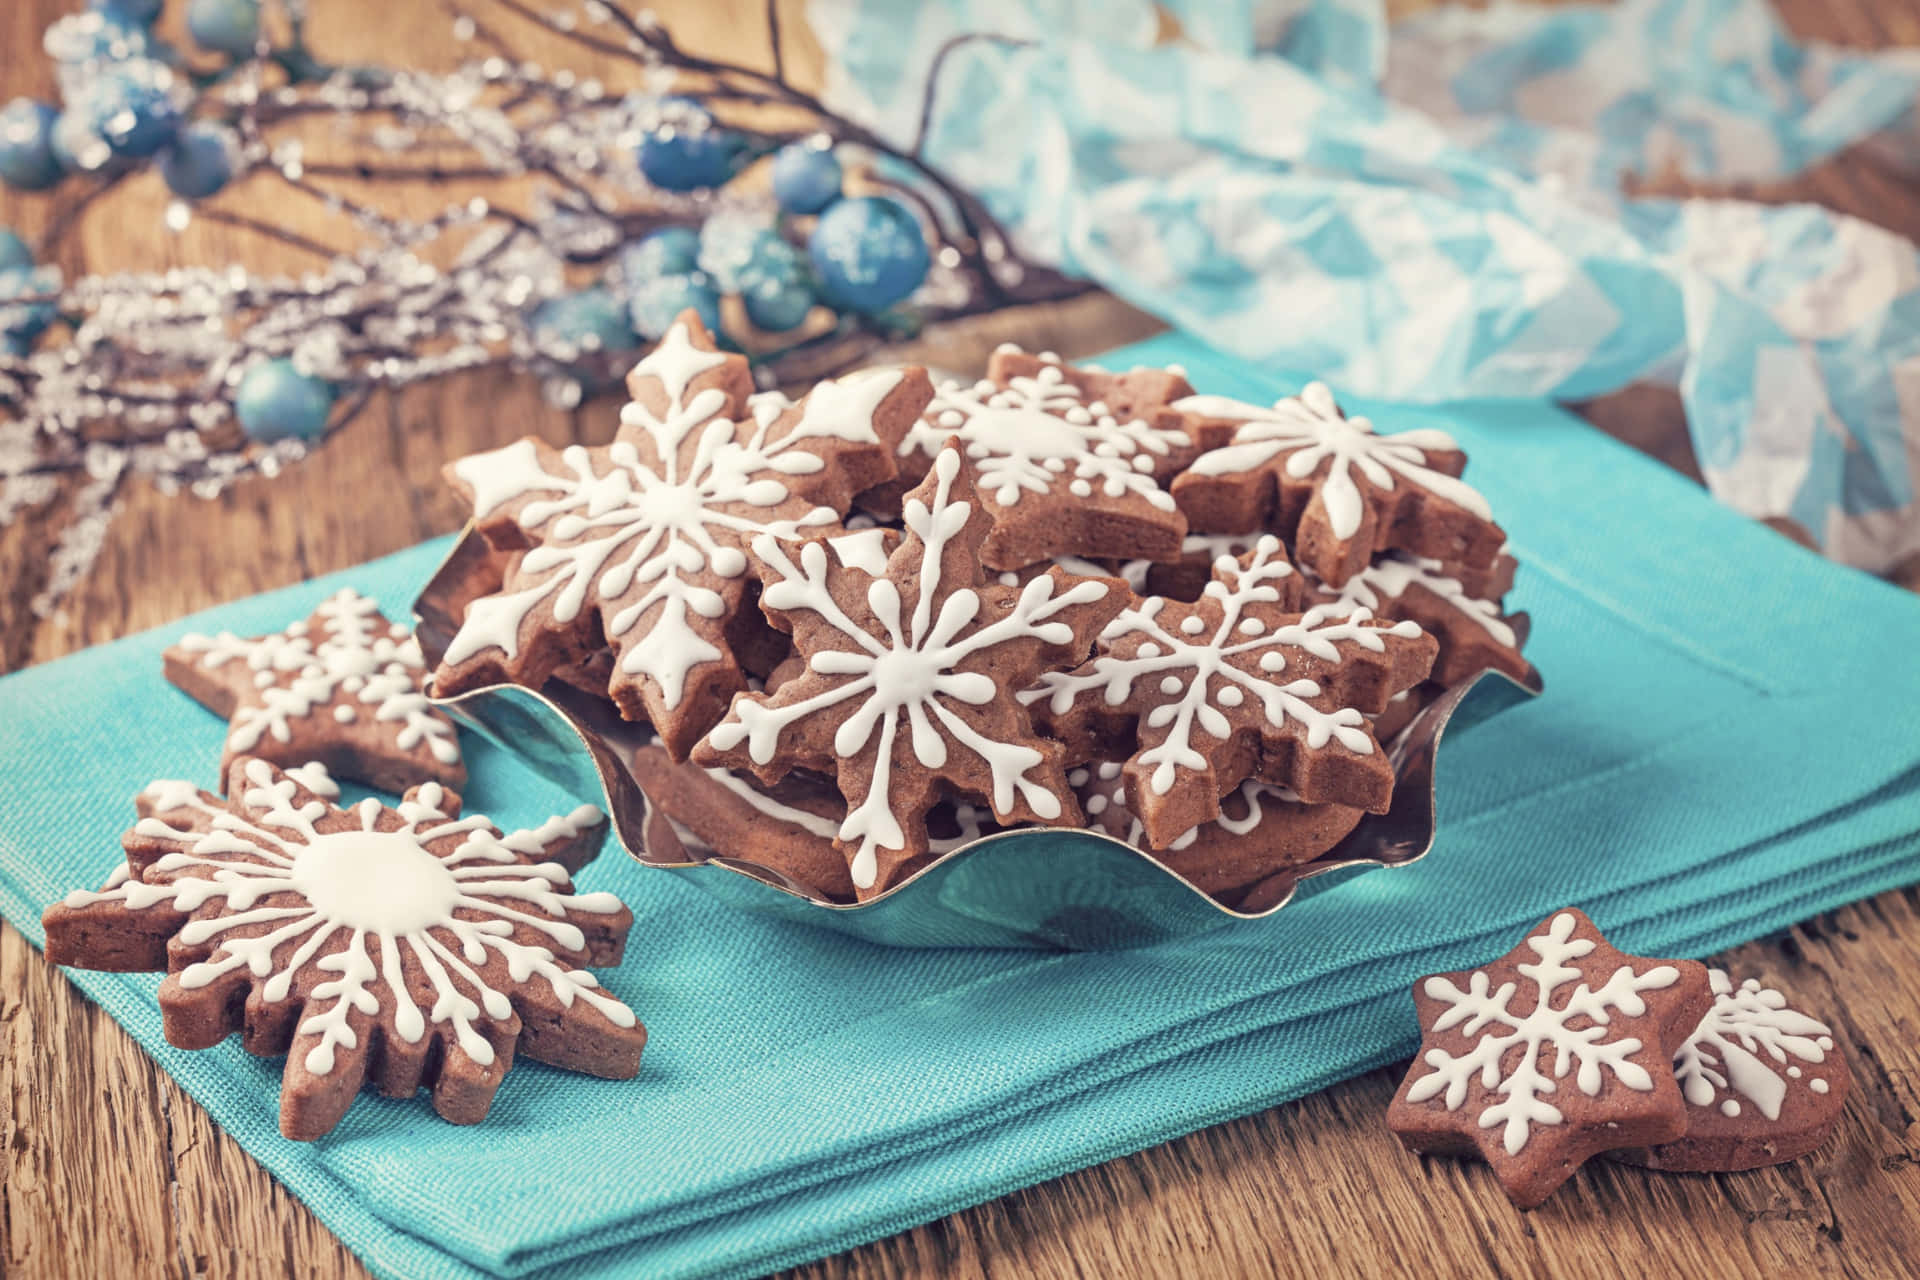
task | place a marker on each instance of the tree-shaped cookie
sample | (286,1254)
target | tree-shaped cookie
(1240,684)
(911,667)
(1473,634)
(1067,461)
(396,947)
(1548,1056)
(1764,1084)
(342,687)
(641,543)
(1334,488)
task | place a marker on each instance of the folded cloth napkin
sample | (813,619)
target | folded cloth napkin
(1725,746)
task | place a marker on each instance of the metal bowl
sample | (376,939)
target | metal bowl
(1041,887)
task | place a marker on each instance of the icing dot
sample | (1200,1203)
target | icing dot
(343,713)
(1817,1085)
(261,679)
(1149,650)
(1141,462)
(1251,626)
(1729,1108)
(1096,806)
(1077,777)
(353,684)
(1170,684)
(1271,661)
(1110,770)
(1794,1073)
(1080,489)
(1055,465)
(1230,696)
(1192,626)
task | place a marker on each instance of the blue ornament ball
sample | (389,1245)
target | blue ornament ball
(670,251)
(27,162)
(869,253)
(589,320)
(198,162)
(730,242)
(775,288)
(657,303)
(278,402)
(143,12)
(13,250)
(130,106)
(689,149)
(806,177)
(231,27)
(76,147)
(22,322)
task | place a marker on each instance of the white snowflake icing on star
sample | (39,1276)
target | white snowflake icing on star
(904,667)
(658,528)
(1389,578)
(1310,429)
(1038,433)
(1523,1083)
(1193,667)
(366,882)
(1253,795)
(1722,1056)
(358,652)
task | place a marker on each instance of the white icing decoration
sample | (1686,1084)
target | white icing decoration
(1520,1083)
(1023,437)
(906,668)
(1309,428)
(970,820)
(1254,794)
(366,882)
(357,657)
(1722,1057)
(1206,670)
(1389,578)
(657,529)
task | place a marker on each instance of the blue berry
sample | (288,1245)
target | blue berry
(198,162)
(143,12)
(670,251)
(868,252)
(806,178)
(231,27)
(774,288)
(22,322)
(13,250)
(659,301)
(278,402)
(27,162)
(589,320)
(688,150)
(130,106)
(94,37)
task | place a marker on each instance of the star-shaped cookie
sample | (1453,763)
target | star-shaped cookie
(912,661)
(401,947)
(1240,684)
(641,544)
(342,687)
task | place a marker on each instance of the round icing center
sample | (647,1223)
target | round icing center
(1024,433)
(679,506)
(906,675)
(379,881)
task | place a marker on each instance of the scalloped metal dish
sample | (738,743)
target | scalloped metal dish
(1043,888)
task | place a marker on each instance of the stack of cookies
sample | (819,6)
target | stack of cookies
(871,625)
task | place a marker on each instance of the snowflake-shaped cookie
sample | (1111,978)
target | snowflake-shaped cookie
(1473,634)
(1339,492)
(643,541)
(1540,1063)
(1061,470)
(342,687)
(1764,1083)
(399,947)
(1240,684)
(911,664)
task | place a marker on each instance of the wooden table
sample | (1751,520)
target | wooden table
(107,1168)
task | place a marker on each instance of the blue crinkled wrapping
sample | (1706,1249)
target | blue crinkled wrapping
(1439,212)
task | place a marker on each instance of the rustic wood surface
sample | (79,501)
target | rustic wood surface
(107,1168)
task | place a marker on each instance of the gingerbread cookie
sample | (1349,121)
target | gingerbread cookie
(641,544)
(342,687)
(1067,461)
(1557,1051)
(1334,489)
(1473,634)
(399,947)
(1764,1084)
(912,664)
(1200,697)
(1261,830)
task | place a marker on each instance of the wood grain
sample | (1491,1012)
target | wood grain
(106,1168)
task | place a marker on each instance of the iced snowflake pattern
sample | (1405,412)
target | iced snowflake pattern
(639,538)
(1721,1059)
(379,900)
(343,664)
(1389,578)
(1524,1086)
(922,669)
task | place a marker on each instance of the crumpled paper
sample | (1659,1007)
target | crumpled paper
(1441,209)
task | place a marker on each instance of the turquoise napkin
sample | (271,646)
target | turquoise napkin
(1727,745)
